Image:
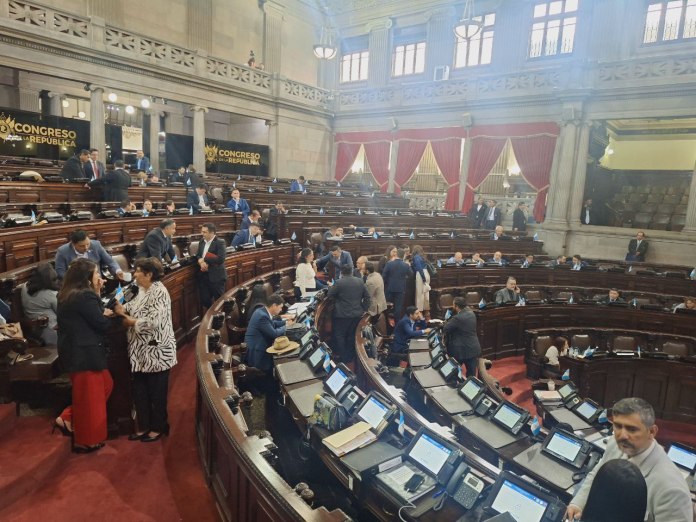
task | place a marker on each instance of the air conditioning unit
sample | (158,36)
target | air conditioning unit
(441,73)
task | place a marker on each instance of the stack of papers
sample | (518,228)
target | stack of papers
(547,395)
(349,439)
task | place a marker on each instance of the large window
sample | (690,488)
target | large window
(354,66)
(669,21)
(553,28)
(479,49)
(409,59)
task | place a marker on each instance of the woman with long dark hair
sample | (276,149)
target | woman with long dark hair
(306,273)
(82,325)
(618,494)
(40,298)
(151,348)
(388,256)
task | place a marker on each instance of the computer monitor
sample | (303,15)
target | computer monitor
(588,410)
(567,390)
(433,455)
(338,379)
(510,417)
(566,447)
(437,350)
(522,500)
(472,390)
(683,456)
(316,356)
(449,369)
(376,411)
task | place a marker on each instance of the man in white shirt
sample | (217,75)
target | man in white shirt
(493,215)
(634,439)
(211,264)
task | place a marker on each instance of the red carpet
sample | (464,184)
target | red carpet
(41,479)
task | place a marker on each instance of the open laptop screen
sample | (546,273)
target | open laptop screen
(316,357)
(430,454)
(373,411)
(522,504)
(471,389)
(567,390)
(586,410)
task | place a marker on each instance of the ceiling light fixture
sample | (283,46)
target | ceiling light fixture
(130,109)
(468,26)
(145,103)
(325,49)
(112,97)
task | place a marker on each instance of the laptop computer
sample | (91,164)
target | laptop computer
(429,456)
(524,501)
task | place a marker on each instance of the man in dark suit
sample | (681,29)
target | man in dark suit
(519,218)
(588,216)
(191,178)
(351,301)
(498,259)
(612,297)
(333,261)
(395,274)
(81,245)
(237,204)
(159,242)
(198,200)
(115,183)
(477,212)
(298,185)
(142,162)
(410,326)
(637,248)
(559,261)
(578,263)
(73,168)
(494,216)
(94,169)
(178,176)
(251,235)
(254,217)
(460,336)
(509,294)
(211,265)
(262,330)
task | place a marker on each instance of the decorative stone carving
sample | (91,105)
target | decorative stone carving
(305,92)
(239,73)
(38,16)
(662,69)
(146,47)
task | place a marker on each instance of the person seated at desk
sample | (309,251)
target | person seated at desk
(528,261)
(559,261)
(170,207)
(457,259)
(298,185)
(178,176)
(411,325)
(558,349)
(637,248)
(612,297)
(253,218)
(81,245)
(335,259)
(578,263)
(147,208)
(250,236)
(475,259)
(127,206)
(40,298)
(197,200)
(262,330)
(237,204)
(618,494)
(634,440)
(498,259)
(509,294)
(499,234)
(688,304)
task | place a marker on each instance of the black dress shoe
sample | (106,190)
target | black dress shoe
(147,438)
(87,449)
(137,436)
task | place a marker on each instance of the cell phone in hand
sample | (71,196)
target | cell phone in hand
(414,483)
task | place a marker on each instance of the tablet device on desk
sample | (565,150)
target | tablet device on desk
(569,395)
(316,357)
(473,391)
(588,410)
(376,411)
(449,370)
(510,417)
(683,456)
(339,378)
(524,501)
(567,448)
(436,351)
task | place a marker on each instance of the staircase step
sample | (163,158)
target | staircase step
(514,378)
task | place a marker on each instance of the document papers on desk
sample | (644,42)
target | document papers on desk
(356,436)
(547,395)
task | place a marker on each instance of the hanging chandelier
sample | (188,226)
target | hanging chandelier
(325,50)
(468,26)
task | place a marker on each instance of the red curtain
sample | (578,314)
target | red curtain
(448,154)
(535,155)
(377,155)
(408,158)
(345,157)
(484,153)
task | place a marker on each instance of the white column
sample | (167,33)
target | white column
(97,133)
(154,138)
(441,40)
(55,107)
(690,225)
(272,37)
(199,137)
(29,100)
(379,66)
(273,152)
(559,189)
(577,194)
(392,165)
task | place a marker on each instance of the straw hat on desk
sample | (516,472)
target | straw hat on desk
(282,345)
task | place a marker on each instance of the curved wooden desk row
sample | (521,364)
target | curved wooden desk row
(25,192)
(527,277)
(246,487)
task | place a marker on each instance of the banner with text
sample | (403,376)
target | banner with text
(230,157)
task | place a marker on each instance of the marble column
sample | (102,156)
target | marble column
(199,137)
(154,138)
(379,67)
(272,37)
(577,194)
(55,103)
(392,166)
(273,140)
(199,15)
(690,225)
(561,175)
(464,172)
(97,133)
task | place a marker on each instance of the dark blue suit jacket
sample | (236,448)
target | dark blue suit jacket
(242,237)
(296,187)
(142,164)
(395,275)
(404,332)
(66,253)
(242,206)
(344,259)
(261,331)
(192,201)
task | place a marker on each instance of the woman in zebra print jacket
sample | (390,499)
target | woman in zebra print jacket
(151,349)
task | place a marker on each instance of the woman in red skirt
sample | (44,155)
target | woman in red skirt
(82,324)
